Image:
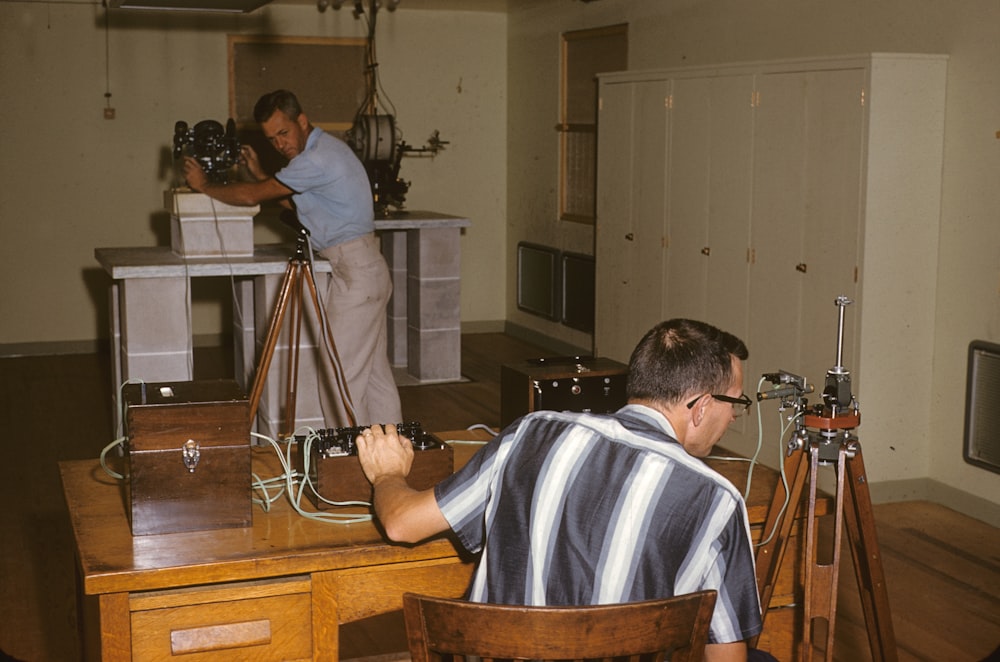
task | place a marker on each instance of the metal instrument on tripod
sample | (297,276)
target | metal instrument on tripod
(824,436)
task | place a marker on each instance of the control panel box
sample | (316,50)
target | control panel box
(187,456)
(335,471)
(561,384)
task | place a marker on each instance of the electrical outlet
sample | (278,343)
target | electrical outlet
(109,113)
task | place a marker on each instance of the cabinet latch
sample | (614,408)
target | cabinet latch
(191,454)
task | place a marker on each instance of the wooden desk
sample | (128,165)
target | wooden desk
(287,583)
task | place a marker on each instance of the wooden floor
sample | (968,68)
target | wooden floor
(942,568)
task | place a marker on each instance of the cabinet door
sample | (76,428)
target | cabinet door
(808,150)
(631,195)
(709,209)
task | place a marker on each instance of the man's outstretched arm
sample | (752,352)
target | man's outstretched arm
(407,515)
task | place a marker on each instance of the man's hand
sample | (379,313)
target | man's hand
(406,514)
(250,161)
(195,175)
(384,453)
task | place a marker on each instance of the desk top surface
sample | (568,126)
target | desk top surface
(162,262)
(279,542)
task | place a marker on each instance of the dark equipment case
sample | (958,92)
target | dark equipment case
(187,456)
(582,384)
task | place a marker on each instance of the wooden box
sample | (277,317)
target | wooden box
(561,384)
(187,456)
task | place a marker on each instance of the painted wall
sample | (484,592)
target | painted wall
(74,181)
(489,82)
(706,32)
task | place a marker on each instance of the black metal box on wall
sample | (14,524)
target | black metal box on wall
(561,384)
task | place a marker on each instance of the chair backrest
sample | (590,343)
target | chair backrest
(676,627)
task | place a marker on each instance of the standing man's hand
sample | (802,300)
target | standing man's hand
(194,174)
(250,160)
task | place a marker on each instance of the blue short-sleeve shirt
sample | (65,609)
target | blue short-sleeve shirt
(331,190)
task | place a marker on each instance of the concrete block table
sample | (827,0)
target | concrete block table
(150,305)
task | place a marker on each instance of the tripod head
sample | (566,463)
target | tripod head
(291,219)
(839,409)
(829,423)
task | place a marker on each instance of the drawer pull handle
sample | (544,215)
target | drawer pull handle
(220,637)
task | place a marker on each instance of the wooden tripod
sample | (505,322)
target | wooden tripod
(291,296)
(828,440)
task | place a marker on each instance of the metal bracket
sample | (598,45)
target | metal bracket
(191,454)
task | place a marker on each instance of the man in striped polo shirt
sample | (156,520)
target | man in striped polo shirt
(574,508)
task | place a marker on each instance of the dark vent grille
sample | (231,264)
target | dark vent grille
(982,406)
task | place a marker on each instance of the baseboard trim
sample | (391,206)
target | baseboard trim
(53,348)
(483,326)
(928,489)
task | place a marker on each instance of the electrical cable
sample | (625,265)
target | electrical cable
(294,484)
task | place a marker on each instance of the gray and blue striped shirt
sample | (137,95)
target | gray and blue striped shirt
(572,508)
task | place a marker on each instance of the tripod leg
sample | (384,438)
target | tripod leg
(868,561)
(777,528)
(821,578)
(295,336)
(264,365)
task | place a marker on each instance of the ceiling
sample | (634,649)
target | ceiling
(454,5)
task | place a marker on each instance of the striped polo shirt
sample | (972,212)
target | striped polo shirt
(569,509)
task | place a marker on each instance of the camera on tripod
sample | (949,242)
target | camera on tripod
(215,148)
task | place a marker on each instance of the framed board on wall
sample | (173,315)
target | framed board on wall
(327,75)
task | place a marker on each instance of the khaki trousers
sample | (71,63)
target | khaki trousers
(356,299)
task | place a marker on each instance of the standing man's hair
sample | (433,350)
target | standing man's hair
(681,357)
(282,100)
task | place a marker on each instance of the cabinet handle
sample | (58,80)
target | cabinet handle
(629,236)
(707,250)
(801,266)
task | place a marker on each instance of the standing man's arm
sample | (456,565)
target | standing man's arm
(406,514)
(241,194)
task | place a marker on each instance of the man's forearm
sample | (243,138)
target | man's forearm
(407,515)
(239,194)
(734,652)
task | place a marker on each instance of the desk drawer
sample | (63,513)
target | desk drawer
(269,620)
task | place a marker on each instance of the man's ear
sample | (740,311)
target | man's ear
(302,121)
(698,410)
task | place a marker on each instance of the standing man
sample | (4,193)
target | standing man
(327,186)
(576,509)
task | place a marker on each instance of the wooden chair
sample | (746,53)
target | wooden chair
(439,628)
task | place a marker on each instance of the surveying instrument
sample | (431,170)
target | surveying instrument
(824,436)
(291,298)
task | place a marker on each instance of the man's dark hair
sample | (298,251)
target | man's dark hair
(681,357)
(282,100)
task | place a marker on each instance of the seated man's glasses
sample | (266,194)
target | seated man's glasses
(741,405)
